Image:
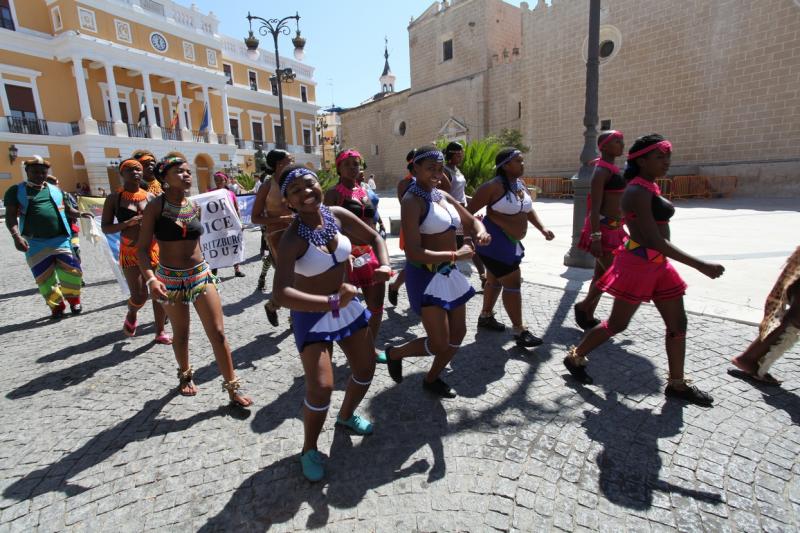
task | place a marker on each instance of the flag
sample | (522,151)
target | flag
(204,122)
(174,122)
(142,113)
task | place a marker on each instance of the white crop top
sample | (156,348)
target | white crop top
(314,262)
(511,204)
(439,218)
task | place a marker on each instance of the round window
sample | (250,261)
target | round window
(401,129)
(606,49)
(610,43)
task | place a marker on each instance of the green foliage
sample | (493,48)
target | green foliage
(247,181)
(509,137)
(478,164)
(327,178)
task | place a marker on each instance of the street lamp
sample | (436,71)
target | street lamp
(276,27)
(322,125)
(575,256)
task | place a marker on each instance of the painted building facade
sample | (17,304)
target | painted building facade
(717,77)
(88,82)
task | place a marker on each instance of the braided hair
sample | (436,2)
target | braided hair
(631,167)
(274,157)
(501,156)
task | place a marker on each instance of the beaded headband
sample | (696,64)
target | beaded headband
(511,156)
(294,174)
(130,163)
(436,155)
(663,146)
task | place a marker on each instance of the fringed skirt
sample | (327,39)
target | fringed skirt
(613,234)
(310,327)
(639,274)
(128,250)
(439,285)
(186,285)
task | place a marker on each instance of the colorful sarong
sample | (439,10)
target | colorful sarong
(56,270)
(128,250)
(186,285)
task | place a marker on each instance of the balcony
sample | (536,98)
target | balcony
(200,136)
(135,130)
(311,149)
(222,138)
(240,143)
(170,134)
(105,127)
(38,126)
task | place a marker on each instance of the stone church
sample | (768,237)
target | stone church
(717,77)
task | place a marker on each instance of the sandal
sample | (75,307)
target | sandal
(129,328)
(184,380)
(238,399)
(163,338)
(576,365)
(381,358)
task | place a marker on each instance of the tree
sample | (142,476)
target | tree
(478,164)
(510,137)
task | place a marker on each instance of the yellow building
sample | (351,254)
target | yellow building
(87,82)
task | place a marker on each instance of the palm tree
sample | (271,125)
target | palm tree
(478,164)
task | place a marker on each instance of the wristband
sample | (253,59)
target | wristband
(333,302)
(150,280)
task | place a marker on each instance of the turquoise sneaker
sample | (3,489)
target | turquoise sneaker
(312,463)
(381,358)
(360,426)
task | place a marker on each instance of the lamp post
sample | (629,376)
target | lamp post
(276,27)
(581,186)
(322,125)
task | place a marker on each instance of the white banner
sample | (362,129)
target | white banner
(109,244)
(222,242)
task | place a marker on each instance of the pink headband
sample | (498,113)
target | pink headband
(222,174)
(613,134)
(347,153)
(663,146)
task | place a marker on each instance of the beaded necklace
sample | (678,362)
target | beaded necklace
(182,215)
(649,185)
(321,236)
(139,196)
(434,196)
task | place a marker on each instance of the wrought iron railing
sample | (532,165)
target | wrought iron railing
(170,134)
(200,136)
(222,138)
(135,130)
(105,127)
(31,126)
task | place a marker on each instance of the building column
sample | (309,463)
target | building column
(155,130)
(120,129)
(294,128)
(97,173)
(212,136)
(186,135)
(226,118)
(87,124)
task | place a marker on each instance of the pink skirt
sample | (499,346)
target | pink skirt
(641,275)
(364,265)
(613,234)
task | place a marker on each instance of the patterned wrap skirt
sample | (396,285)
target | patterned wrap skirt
(311,327)
(186,285)
(439,285)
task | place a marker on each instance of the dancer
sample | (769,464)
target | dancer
(149,181)
(455,183)
(641,272)
(72,218)
(779,330)
(437,291)
(509,209)
(602,229)
(183,277)
(402,186)
(221,181)
(269,209)
(309,280)
(36,217)
(349,195)
(126,205)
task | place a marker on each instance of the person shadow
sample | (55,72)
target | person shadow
(355,465)
(629,463)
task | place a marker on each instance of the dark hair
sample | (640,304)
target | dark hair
(165,164)
(410,158)
(286,171)
(631,167)
(422,150)
(451,149)
(501,156)
(274,157)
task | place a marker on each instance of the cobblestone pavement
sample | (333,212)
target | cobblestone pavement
(93,436)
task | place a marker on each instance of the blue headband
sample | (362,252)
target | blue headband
(294,174)
(430,154)
(511,156)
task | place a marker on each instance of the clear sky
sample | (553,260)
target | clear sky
(344,39)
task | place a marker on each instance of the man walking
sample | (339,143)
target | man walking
(36,216)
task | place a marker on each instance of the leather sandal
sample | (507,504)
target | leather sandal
(184,380)
(237,398)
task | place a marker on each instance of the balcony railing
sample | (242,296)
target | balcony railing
(135,130)
(38,126)
(170,134)
(200,136)
(105,127)
(153,7)
(222,138)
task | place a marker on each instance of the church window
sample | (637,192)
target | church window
(447,50)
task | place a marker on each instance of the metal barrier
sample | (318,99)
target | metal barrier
(550,186)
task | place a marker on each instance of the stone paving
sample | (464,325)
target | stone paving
(93,436)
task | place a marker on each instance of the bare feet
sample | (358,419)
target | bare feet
(750,372)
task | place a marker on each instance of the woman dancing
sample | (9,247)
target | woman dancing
(641,271)
(602,229)
(310,280)
(182,277)
(509,209)
(393,289)
(126,206)
(354,198)
(437,291)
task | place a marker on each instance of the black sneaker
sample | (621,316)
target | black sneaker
(583,320)
(395,366)
(393,293)
(75,309)
(272,313)
(440,388)
(691,394)
(490,323)
(525,339)
(238,273)
(578,371)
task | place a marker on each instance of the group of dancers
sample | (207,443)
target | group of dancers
(332,266)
